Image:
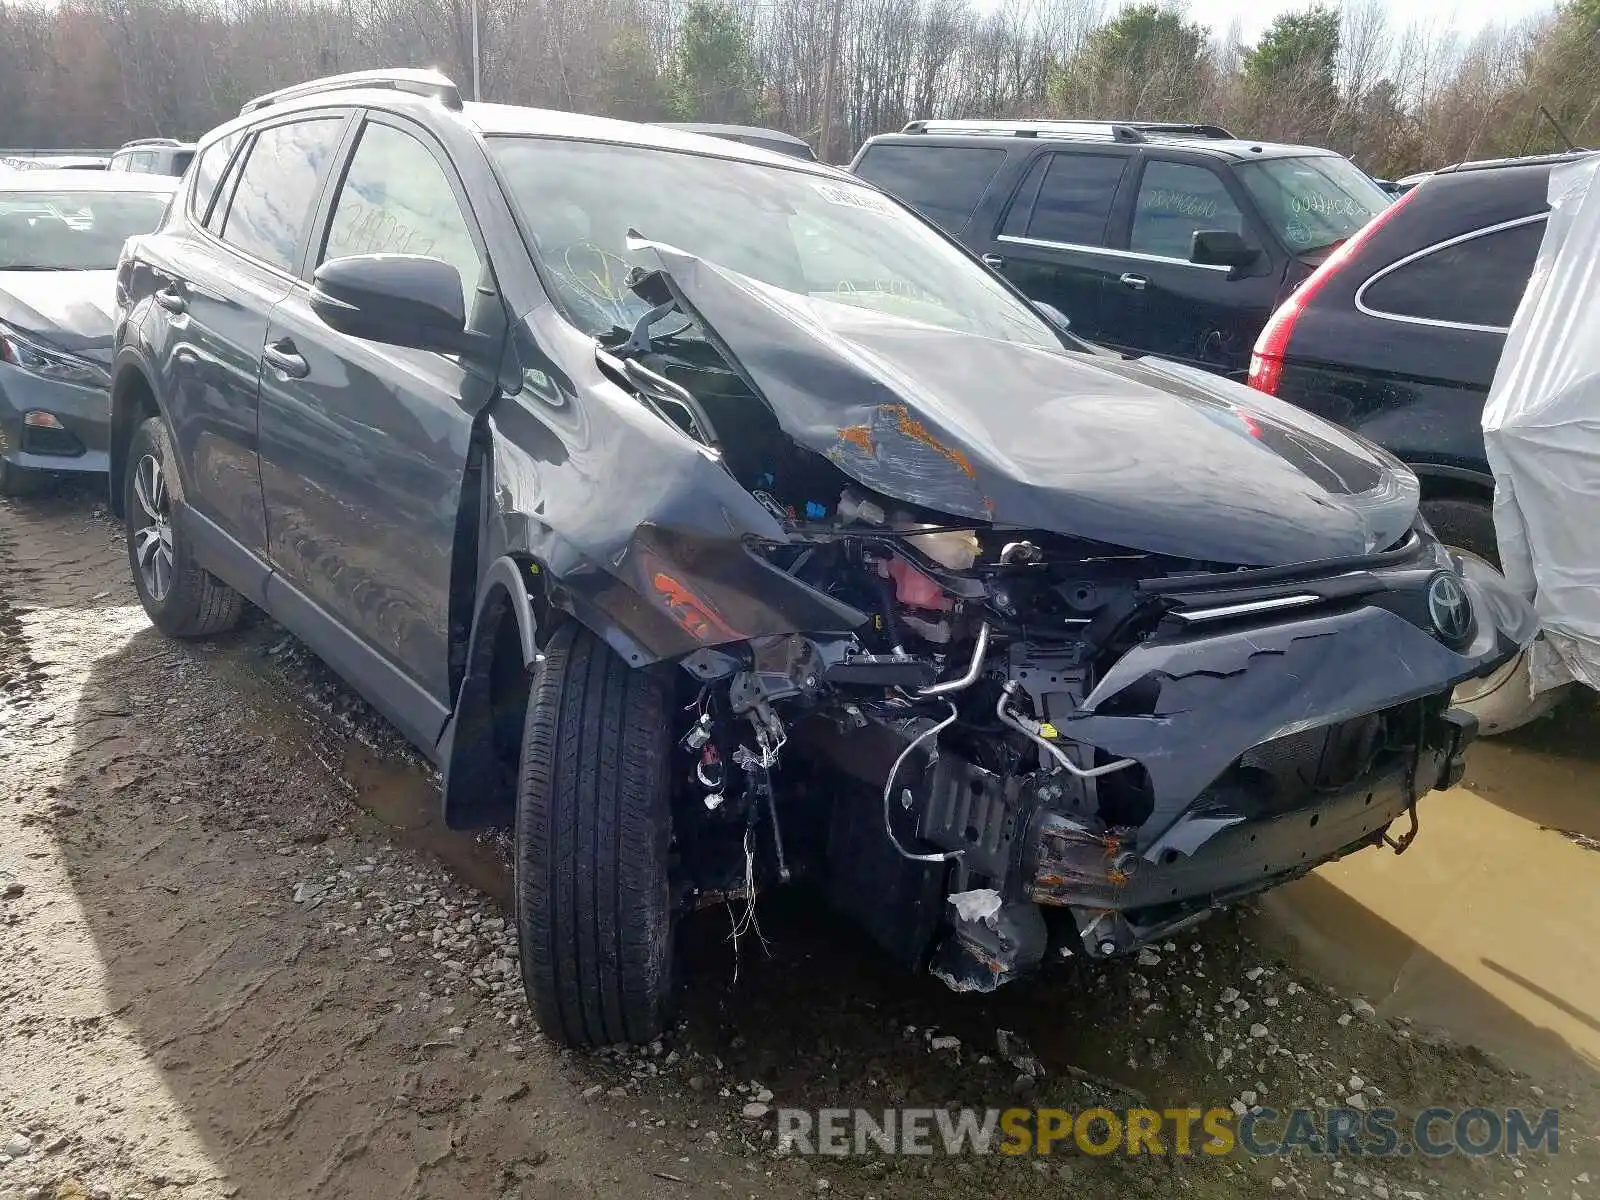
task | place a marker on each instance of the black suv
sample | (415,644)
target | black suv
(1152,238)
(153,156)
(719,521)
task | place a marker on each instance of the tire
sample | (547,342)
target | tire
(19,481)
(183,600)
(593,909)
(1464,525)
(1504,700)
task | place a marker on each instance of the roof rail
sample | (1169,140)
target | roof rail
(151,141)
(399,79)
(1181,129)
(1121,131)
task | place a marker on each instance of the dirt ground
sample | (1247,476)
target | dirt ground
(238,957)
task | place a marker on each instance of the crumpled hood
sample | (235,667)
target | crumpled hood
(71,310)
(1142,454)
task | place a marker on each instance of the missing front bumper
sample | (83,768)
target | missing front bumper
(1217,854)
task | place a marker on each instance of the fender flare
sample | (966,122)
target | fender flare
(470,796)
(1445,473)
(504,572)
(131,361)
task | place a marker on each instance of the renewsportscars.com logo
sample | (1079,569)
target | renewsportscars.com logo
(1262,1132)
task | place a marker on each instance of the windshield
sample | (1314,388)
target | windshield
(72,231)
(1313,203)
(829,240)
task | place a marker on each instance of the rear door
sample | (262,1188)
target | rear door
(364,446)
(1161,303)
(215,290)
(1051,239)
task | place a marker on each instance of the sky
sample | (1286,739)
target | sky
(1467,16)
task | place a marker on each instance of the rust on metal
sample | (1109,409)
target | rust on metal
(859,436)
(914,429)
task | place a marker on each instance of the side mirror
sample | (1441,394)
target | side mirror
(1054,315)
(399,299)
(1221,248)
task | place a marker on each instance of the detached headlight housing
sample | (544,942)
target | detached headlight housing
(47,362)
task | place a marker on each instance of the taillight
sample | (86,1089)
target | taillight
(1266,362)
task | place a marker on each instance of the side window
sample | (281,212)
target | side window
(230,183)
(142,162)
(1016,222)
(277,188)
(208,173)
(943,183)
(1074,198)
(1175,201)
(396,199)
(119,162)
(1478,281)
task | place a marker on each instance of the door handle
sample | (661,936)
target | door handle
(994,261)
(171,299)
(1136,282)
(282,356)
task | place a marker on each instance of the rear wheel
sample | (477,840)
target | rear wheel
(594,915)
(181,598)
(1502,701)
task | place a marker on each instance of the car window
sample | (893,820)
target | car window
(396,199)
(825,242)
(118,163)
(180,161)
(1175,201)
(1074,198)
(1016,219)
(208,172)
(73,231)
(225,190)
(1314,202)
(277,187)
(1478,281)
(943,183)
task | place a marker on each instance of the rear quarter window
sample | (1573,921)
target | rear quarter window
(209,173)
(1475,280)
(943,183)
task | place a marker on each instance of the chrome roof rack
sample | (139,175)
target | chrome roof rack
(399,79)
(1118,131)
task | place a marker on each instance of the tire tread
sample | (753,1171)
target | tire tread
(592,825)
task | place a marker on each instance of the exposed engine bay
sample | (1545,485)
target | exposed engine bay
(1005,742)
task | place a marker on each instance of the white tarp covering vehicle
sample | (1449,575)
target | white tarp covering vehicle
(1541,425)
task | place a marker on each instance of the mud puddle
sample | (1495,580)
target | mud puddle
(404,800)
(1491,910)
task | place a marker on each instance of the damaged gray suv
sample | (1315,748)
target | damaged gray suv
(718,522)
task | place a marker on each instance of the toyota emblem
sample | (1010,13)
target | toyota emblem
(1449,608)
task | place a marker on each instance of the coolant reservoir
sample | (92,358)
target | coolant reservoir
(953,548)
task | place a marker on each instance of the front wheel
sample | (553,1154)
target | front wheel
(1503,700)
(181,598)
(594,917)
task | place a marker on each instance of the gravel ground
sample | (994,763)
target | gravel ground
(239,957)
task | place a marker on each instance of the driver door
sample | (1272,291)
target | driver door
(364,446)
